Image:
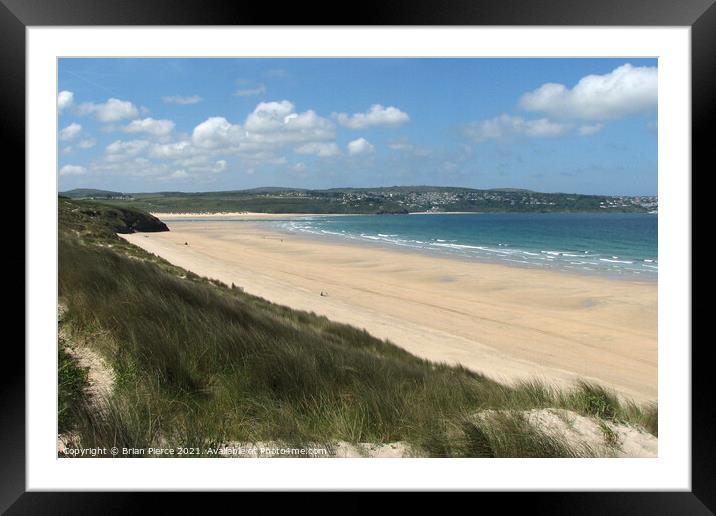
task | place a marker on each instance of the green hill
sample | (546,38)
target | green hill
(96,220)
(393,199)
(91,193)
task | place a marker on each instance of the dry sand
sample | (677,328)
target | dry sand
(581,431)
(507,322)
(235,215)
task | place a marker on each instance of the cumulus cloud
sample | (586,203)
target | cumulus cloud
(178,99)
(178,174)
(321,149)
(120,150)
(624,91)
(69,132)
(269,116)
(216,132)
(111,111)
(72,170)
(64,99)
(268,128)
(268,131)
(173,150)
(506,126)
(376,116)
(150,126)
(360,146)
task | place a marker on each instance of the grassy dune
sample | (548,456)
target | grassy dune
(199,363)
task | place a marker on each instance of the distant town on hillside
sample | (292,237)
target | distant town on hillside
(383,200)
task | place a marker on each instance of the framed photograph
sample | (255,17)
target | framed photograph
(433,250)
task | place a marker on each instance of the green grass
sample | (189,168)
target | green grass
(97,222)
(595,400)
(611,438)
(509,434)
(72,381)
(199,363)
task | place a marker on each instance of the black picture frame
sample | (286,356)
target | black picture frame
(16,15)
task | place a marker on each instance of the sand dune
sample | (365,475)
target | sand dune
(506,322)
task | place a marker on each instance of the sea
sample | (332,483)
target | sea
(613,244)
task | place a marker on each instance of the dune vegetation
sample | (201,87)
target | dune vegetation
(197,363)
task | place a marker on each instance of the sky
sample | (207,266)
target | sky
(551,125)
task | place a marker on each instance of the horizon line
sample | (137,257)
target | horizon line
(506,188)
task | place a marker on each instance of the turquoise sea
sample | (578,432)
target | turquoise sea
(618,244)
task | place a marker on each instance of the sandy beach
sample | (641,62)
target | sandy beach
(506,322)
(235,215)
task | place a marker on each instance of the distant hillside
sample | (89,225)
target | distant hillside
(91,193)
(383,200)
(88,217)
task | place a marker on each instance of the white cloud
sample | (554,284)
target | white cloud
(133,166)
(377,115)
(150,126)
(360,146)
(219,166)
(306,126)
(132,146)
(87,143)
(216,132)
(69,132)
(196,170)
(270,127)
(506,126)
(64,99)
(111,111)
(123,150)
(174,150)
(623,91)
(72,170)
(269,116)
(269,131)
(249,92)
(321,149)
(196,160)
(590,129)
(178,99)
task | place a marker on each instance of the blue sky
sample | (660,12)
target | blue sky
(567,125)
